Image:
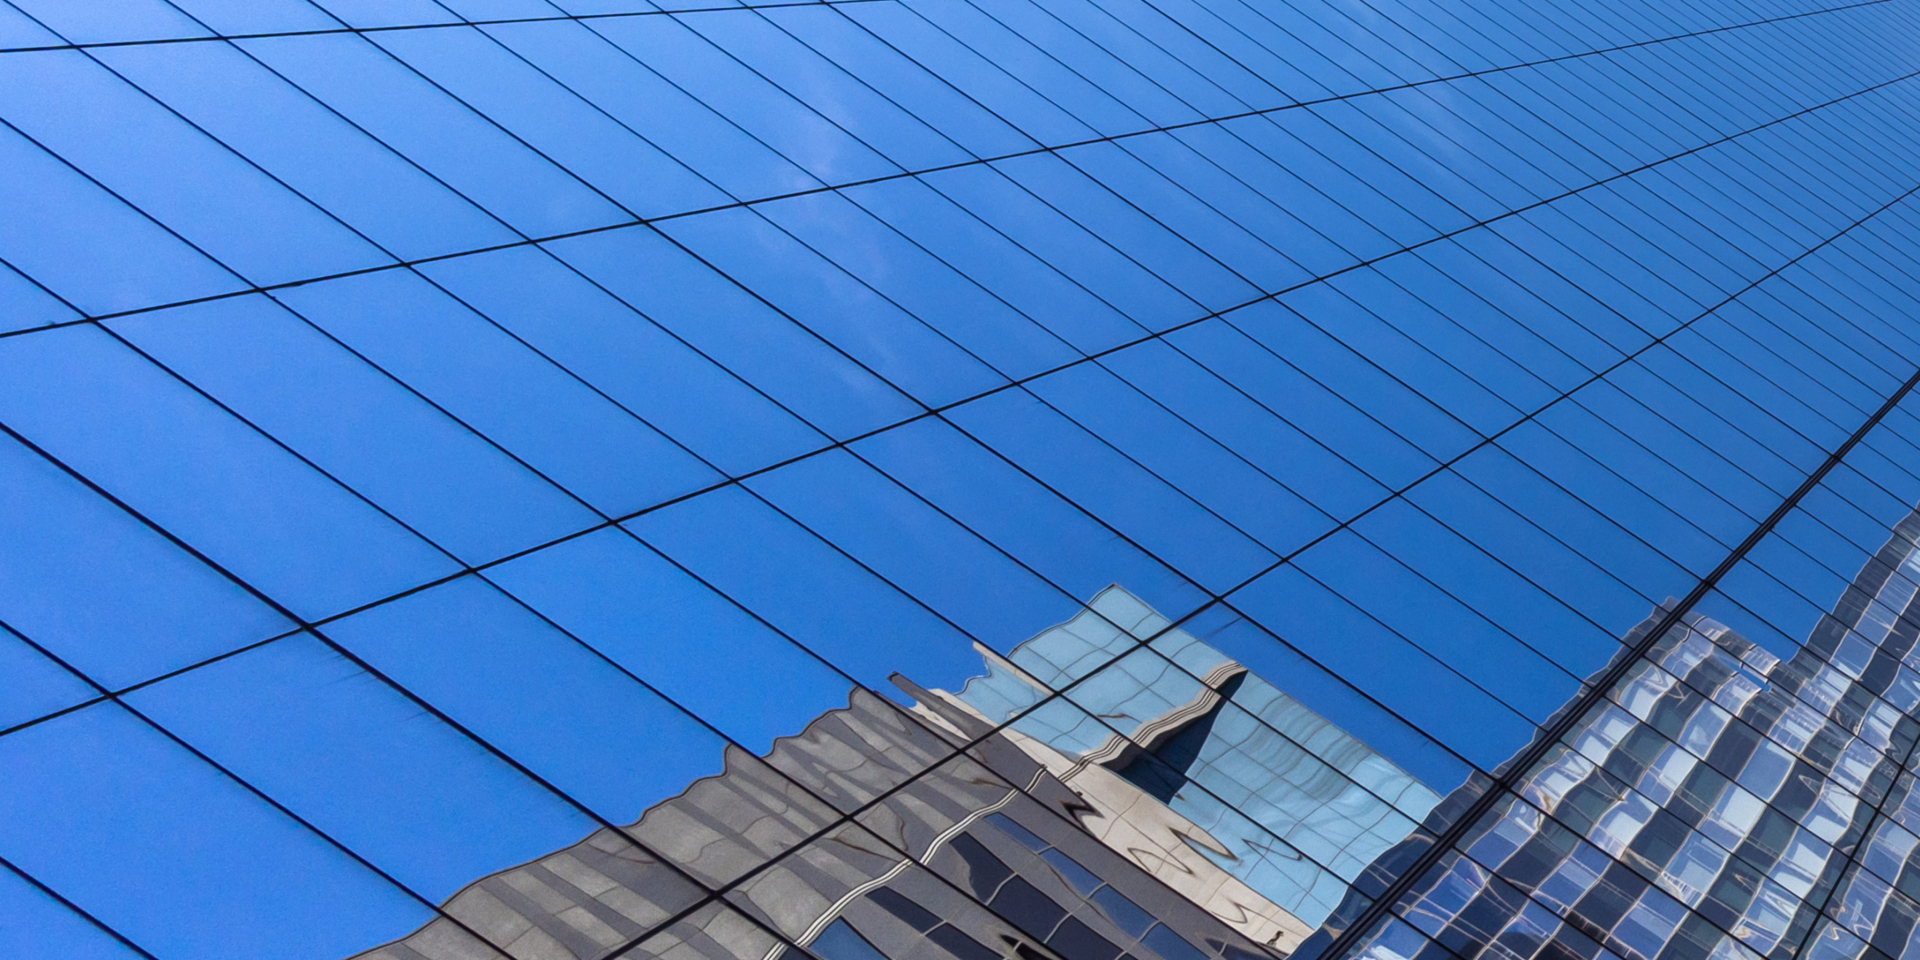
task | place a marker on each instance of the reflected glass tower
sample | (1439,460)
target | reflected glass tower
(1719,801)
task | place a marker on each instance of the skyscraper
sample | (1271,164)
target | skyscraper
(534,477)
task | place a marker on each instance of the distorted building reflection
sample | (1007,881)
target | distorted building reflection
(1116,789)
(1170,806)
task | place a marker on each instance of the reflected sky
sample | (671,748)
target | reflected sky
(437,434)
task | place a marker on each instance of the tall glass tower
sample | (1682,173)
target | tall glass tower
(958,479)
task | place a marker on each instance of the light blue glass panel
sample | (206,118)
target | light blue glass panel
(109,21)
(25,304)
(39,926)
(89,247)
(234,17)
(17,31)
(388,13)
(36,686)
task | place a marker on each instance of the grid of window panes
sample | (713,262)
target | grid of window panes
(436,431)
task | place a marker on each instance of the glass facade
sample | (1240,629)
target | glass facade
(959,479)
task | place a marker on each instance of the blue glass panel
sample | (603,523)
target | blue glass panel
(631,92)
(204,476)
(1100,188)
(535,693)
(672,631)
(176,174)
(1408,681)
(920,551)
(354,177)
(849,104)
(533,408)
(105,592)
(36,686)
(1270,378)
(968,71)
(233,17)
(1239,492)
(1033,524)
(360,426)
(567,130)
(1360,379)
(1241,423)
(25,304)
(626,357)
(39,926)
(99,787)
(1607,541)
(737,329)
(448,140)
(808,590)
(17,31)
(894,344)
(358,760)
(1267,225)
(1421,611)
(1506,533)
(1402,350)
(107,21)
(1507,594)
(902,271)
(87,246)
(887,70)
(1162,520)
(790,127)
(1090,261)
(1015,275)
(505,9)
(388,13)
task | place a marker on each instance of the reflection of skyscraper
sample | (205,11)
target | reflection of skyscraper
(1195,812)
(1250,784)
(1718,802)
